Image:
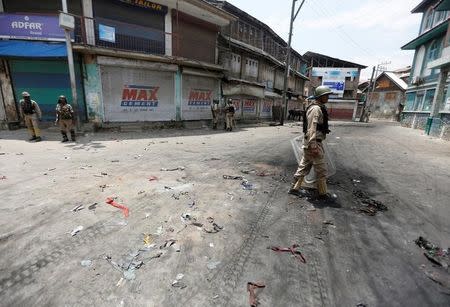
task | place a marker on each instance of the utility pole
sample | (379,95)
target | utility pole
(288,60)
(371,88)
(73,83)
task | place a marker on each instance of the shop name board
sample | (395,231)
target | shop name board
(147,5)
(139,96)
(200,98)
(249,106)
(266,107)
(32,27)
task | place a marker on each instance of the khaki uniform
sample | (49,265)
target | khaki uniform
(65,120)
(31,120)
(313,137)
(229,117)
(215,111)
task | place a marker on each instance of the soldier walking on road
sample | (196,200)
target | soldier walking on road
(65,118)
(229,115)
(31,114)
(315,129)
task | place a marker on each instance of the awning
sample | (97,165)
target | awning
(242,89)
(426,36)
(32,49)
(271,94)
(443,5)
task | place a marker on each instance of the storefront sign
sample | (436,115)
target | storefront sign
(32,27)
(334,77)
(249,106)
(147,5)
(139,96)
(200,98)
(107,33)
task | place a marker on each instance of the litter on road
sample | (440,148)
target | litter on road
(93,206)
(152,178)
(76,230)
(251,287)
(229,177)
(434,253)
(124,209)
(246,185)
(213,264)
(77,208)
(179,168)
(293,250)
(86,263)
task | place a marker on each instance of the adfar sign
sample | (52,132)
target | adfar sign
(33,27)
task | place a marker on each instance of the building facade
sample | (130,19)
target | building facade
(341,76)
(135,61)
(427,104)
(386,99)
(253,56)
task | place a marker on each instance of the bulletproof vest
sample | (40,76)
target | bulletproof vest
(64,111)
(320,127)
(230,109)
(28,107)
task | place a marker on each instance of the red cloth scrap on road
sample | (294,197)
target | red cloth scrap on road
(251,287)
(152,178)
(124,209)
(293,250)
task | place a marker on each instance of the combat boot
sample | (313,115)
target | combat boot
(38,139)
(32,138)
(64,135)
(72,135)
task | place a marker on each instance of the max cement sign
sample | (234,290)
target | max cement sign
(33,27)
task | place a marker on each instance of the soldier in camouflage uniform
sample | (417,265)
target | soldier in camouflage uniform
(65,118)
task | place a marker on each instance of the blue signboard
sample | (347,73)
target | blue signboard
(107,33)
(33,27)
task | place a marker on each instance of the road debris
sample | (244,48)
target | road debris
(212,265)
(104,174)
(212,227)
(159,231)
(248,171)
(433,252)
(229,177)
(77,208)
(179,168)
(147,239)
(152,178)
(124,209)
(76,230)
(86,263)
(370,206)
(3,178)
(114,161)
(177,282)
(246,185)
(293,250)
(93,206)
(251,287)
(440,278)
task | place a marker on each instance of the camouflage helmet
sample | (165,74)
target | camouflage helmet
(322,91)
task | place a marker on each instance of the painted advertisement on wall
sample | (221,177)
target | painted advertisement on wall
(266,108)
(198,96)
(334,78)
(249,107)
(131,94)
(33,27)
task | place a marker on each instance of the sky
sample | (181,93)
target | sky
(366,32)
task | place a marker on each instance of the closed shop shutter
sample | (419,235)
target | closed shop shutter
(46,80)
(249,106)
(133,94)
(198,95)
(266,108)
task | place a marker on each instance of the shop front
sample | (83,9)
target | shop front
(137,91)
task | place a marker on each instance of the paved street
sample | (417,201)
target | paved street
(220,231)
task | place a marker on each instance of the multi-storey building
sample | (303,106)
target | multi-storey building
(254,57)
(134,60)
(427,103)
(341,76)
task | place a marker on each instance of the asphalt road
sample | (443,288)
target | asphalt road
(354,259)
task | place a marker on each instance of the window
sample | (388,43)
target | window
(433,54)
(418,63)
(410,99)
(418,101)
(428,20)
(235,63)
(251,68)
(428,102)
(439,16)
